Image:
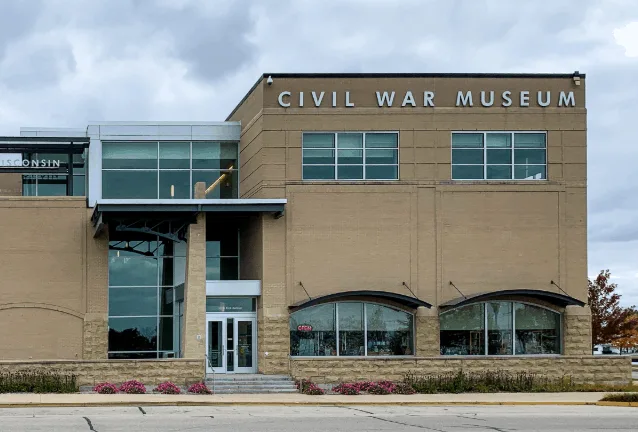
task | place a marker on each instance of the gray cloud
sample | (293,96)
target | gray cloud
(194,60)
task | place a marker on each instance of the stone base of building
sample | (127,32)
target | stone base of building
(91,372)
(582,369)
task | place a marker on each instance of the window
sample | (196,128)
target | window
(168,170)
(351,329)
(500,328)
(55,184)
(146,277)
(499,156)
(350,156)
(222,250)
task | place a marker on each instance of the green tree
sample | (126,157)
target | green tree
(610,321)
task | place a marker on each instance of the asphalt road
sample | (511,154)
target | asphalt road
(328,418)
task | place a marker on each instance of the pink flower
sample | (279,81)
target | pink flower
(133,387)
(167,388)
(105,388)
(199,388)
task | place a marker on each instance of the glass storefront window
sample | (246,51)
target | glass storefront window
(499,328)
(537,330)
(357,328)
(222,251)
(389,331)
(174,155)
(132,301)
(463,331)
(312,332)
(129,155)
(351,329)
(512,328)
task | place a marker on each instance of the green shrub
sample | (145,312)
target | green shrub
(621,397)
(38,382)
(499,381)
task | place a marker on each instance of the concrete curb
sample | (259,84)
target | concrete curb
(305,403)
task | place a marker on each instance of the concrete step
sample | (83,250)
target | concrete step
(264,386)
(253,391)
(249,382)
(247,377)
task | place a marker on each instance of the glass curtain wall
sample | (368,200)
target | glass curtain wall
(168,170)
(222,249)
(146,278)
(351,329)
(55,184)
(500,328)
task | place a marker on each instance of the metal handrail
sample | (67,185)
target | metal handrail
(210,365)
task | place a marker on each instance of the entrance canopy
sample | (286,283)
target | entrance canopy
(115,210)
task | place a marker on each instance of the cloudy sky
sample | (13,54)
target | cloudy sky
(66,62)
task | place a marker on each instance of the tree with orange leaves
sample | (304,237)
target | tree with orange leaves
(610,321)
(630,339)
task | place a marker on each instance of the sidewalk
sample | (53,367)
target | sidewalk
(85,400)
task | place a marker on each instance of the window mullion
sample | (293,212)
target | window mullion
(486,331)
(513,329)
(337,326)
(336,159)
(365,329)
(484,155)
(365,176)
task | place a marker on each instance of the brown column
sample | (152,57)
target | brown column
(577,339)
(95,327)
(427,332)
(194,331)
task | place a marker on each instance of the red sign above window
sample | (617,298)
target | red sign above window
(304,328)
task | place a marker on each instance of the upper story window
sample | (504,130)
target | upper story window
(152,169)
(54,181)
(350,156)
(499,156)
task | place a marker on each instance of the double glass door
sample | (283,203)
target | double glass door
(231,344)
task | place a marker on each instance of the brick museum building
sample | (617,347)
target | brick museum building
(332,227)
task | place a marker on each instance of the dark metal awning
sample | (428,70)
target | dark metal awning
(556,299)
(107,210)
(62,145)
(401,299)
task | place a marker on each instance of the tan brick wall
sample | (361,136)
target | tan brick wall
(583,369)
(97,276)
(91,372)
(43,290)
(10,184)
(577,338)
(96,333)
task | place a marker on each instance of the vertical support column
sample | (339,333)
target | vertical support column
(577,336)
(427,332)
(194,331)
(95,327)
(274,333)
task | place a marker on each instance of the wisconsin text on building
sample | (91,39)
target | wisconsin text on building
(334,226)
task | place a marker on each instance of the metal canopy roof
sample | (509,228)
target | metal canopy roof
(557,299)
(404,300)
(64,145)
(113,209)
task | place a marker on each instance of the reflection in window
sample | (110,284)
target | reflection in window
(168,170)
(463,331)
(499,328)
(537,330)
(312,331)
(499,156)
(350,156)
(351,329)
(512,328)
(222,250)
(361,329)
(146,275)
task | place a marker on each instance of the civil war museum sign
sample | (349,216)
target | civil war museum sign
(507,98)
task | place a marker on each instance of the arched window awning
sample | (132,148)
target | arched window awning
(556,299)
(401,299)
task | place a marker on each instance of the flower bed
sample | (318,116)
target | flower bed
(372,387)
(167,388)
(199,388)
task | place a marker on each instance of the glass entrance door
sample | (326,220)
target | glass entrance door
(245,345)
(215,347)
(231,344)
